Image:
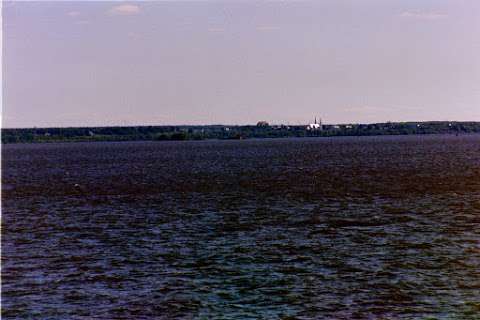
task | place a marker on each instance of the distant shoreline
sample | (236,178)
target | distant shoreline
(226,132)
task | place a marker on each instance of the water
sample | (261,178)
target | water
(340,228)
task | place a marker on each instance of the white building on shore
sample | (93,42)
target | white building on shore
(315,126)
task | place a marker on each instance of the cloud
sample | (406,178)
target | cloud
(423,15)
(216,29)
(369,109)
(365,109)
(82,22)
(134,35)
(73,13)
(267,28)
(124,10)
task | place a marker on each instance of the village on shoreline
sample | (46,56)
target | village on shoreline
(204,132)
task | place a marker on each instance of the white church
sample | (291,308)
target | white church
(315,126)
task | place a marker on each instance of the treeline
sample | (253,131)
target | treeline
(176,133)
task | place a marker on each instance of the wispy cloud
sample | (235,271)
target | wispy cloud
(216,29)
(73,13)
(267,28)
(82,22)
(365,109)
(134,35)
(124,10)
(369,109)
(423,15)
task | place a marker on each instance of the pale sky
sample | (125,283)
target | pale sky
(89,63)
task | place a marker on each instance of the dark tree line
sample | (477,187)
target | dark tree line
(175,133)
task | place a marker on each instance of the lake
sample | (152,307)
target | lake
(322,228)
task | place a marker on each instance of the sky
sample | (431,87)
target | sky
(91,63)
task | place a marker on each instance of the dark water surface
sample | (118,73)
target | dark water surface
(340,228)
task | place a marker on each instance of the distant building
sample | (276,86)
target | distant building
(315,126)
(262,124)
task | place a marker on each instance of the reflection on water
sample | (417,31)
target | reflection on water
(341,228)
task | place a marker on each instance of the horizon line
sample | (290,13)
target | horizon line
(230,125)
